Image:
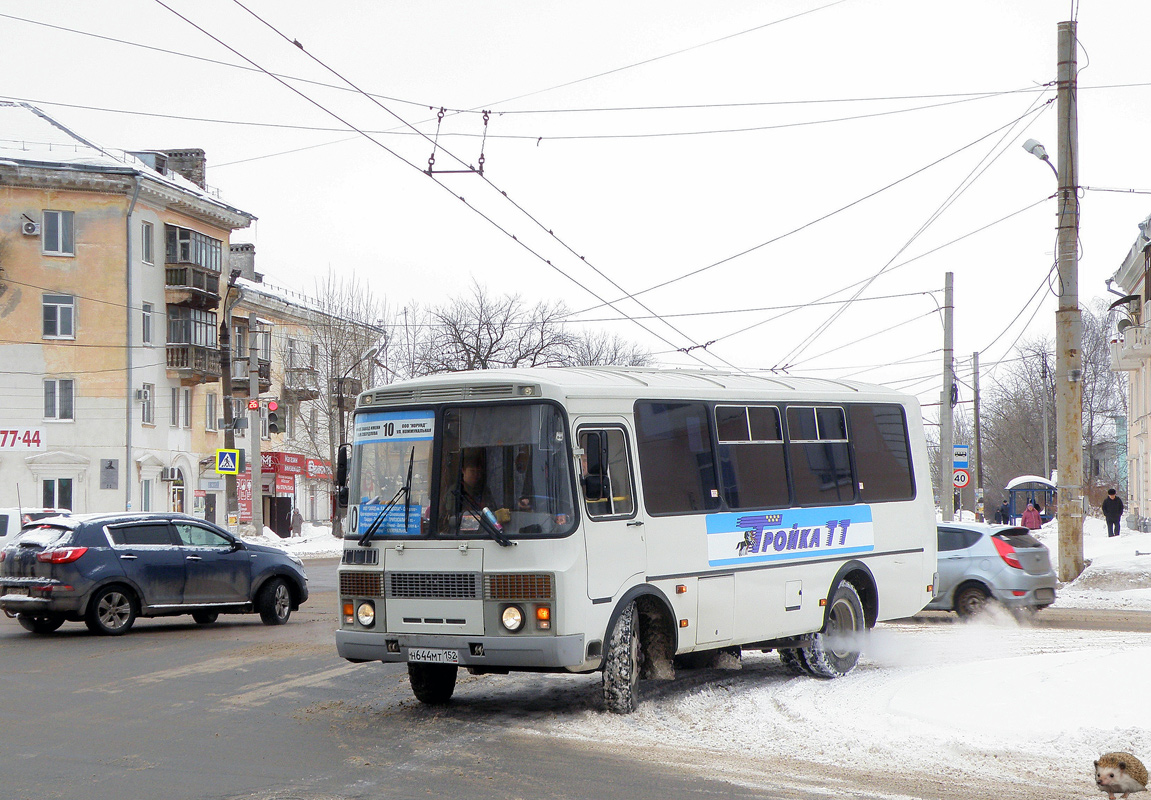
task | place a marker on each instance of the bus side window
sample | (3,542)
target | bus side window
(605,473)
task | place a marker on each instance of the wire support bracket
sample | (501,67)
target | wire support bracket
(431,170)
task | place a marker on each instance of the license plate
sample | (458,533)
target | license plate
(1045,595)
(424,655)
(17,590)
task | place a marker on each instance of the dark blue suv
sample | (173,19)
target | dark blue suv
(108,569)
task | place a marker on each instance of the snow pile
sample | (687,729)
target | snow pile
(1116,577)
(314,541)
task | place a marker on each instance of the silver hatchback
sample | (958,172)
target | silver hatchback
(979,563)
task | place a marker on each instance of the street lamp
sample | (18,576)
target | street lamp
(370,353)
(1068,354)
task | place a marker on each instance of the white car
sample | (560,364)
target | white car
(13,519)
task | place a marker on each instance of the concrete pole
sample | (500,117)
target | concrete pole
(946,434)
(254,425)
(1046,471)
(1068,322)
(980,504)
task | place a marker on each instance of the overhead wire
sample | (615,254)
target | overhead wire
(687,351)
(470,206)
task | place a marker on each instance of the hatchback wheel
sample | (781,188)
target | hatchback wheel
(970,602)
(111,611)
(274,602)
(40,623)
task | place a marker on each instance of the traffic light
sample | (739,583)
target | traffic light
(273,417)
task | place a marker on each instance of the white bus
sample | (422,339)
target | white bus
(627,520)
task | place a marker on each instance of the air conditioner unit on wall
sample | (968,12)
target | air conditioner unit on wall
(31,228)
(144,395)
(167,474)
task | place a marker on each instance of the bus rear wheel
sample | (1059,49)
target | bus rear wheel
(621,664)
(834,651)
(432,684)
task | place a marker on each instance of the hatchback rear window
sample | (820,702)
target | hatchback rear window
(1018,537)
(41,536)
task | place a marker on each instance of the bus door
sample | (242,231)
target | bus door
(613,522)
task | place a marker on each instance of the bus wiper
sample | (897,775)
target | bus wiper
(404,491)
(485,518)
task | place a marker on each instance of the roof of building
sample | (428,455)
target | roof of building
(29,137)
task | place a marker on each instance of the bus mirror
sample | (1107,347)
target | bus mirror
(596,480)
(342,467)
(342,496)
(595,487)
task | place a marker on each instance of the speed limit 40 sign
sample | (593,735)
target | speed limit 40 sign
(960,478)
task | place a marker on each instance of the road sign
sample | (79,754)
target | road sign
(960,478)
(959,457)
(253,405)
(228,462)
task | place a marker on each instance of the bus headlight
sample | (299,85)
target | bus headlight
(366,614)
(512,618)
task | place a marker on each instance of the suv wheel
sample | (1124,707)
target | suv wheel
(40,623)
(274,602)
(205,617)
(111,611)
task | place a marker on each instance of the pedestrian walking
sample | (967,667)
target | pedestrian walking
(1113,511)
(1003,515)
(1031,519)
(297,521)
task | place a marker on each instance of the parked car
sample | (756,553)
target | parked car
(13,519)
(108,569)
(979,563)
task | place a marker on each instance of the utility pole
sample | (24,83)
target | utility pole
(1068,322)
(980,505)
(231,505)
(257,431)
(1046,471)
(946,441)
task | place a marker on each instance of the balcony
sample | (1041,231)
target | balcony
(301,383)
(193,364)
(1131,349)
(241,381)
(191,285)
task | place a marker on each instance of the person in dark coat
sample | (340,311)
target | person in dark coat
(1003,515)
(1113,511)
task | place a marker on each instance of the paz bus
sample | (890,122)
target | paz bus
(628,521)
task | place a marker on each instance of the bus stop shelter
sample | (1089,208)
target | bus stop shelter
(1024,489)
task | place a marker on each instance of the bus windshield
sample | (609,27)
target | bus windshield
(512,460)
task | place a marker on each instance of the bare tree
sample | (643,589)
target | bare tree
(599,348)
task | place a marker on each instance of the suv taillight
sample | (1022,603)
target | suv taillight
(65,555)
(1006,552)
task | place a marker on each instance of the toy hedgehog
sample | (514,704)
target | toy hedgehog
(1120,773)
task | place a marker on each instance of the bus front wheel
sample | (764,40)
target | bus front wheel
(834,651)
(621,664)
(432,684)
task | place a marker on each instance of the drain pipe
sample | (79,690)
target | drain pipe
(128,348)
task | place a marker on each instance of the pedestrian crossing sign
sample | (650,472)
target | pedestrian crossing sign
(228,462)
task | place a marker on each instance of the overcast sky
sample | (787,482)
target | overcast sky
(751,156)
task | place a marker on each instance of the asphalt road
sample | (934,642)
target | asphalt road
(241,711)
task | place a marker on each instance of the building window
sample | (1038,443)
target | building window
(146,495)
(146,324)
(58,233)
(147,237)
(313,418)
(263,421)
(187,408)
(148,409)
(191,326)
(174,419)
(240,341)
(210,412)
(59,316)
(291,355)
(290,412)
(189,247)
(57,493)
(315,361)
(239,411)
(58,398)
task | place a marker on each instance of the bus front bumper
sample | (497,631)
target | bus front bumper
(513,652)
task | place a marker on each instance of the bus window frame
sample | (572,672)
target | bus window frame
(589,427)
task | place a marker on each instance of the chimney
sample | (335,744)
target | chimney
(191,163)
(243,257)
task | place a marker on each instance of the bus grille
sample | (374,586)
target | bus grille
(361,584)
(528,586)
(434,585)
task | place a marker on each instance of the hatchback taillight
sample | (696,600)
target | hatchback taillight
(64,555)
(1006,552)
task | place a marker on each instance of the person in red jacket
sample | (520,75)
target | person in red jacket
(1031,519)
